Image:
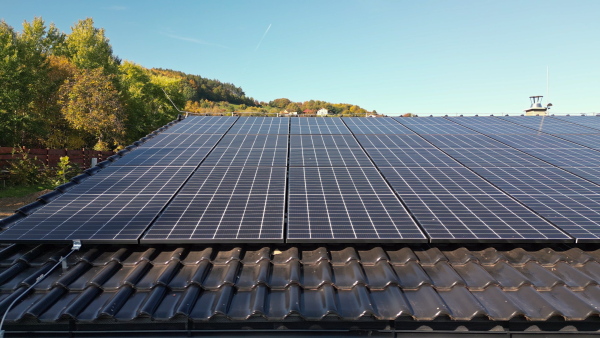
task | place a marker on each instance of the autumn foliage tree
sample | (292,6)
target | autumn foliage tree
(90,103)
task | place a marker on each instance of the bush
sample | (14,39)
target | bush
(25,170)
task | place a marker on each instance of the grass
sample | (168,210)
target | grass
(19,191)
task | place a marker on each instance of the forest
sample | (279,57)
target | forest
(71,91)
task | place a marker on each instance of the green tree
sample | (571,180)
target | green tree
(90,103)
(89,48)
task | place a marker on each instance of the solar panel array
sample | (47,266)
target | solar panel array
(252,179)
(336,193)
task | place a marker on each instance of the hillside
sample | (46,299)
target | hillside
(62,90)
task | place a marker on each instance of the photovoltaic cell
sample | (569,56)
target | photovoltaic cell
(260,125)
(269,157)
(498,157)
(163,157)
(202,125)
(383,125)
(253,141)
(476,141)
(392,141)
(322,125)
(346,204)
(327,150)
(591,174)
(410,157)
(97,218)
(549,125)
(571,203)
(588,121)
(227,205)
(182,141)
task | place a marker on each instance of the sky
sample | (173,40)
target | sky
(396,57)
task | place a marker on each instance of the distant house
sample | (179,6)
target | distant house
(289,113)
(308,111)
(322,112)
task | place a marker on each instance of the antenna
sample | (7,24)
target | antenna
(547,84)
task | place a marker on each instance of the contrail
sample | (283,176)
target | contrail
(263,37)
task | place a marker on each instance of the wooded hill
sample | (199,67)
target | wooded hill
(63,90)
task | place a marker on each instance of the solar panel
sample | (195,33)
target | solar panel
(253,141)
(492,125)
(232,157)
(410,157)
(323,125)
(225,204)
(392,141)
(454,204)
(591,174)
(569,157)
(346,204)
(95,218)
(202,125)
(163,157)
(494,157)
(588,121)
(326,150)
(479,218)
(383,125)
(182,141)
(569,202)
(464,141)
(549,125)
(261,125)
(434,125)
(534,141)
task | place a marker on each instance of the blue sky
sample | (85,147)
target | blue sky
(423,57)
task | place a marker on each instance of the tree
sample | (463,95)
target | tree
(90,103)
(88,48)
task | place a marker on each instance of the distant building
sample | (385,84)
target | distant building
(308,111)
(322,112)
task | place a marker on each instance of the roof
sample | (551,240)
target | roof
(203,288)
(292,289)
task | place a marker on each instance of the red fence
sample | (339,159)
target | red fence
(50,157)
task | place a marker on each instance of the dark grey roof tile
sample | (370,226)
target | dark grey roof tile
(578,257)
(592,295)
(130,309)
(390,303)
(460,256)
(139,254)
(108,256)
(224,257)
(104,274)
(474,275)
(426,303)
(442,275)
(285,274)
(248,303)
(285,302)
(196,256)
(202,270)
(73,274)
(138,272)
(411,275)
(168,305)
(319,302)
(342,257)
(212,302)
(380,275)
(164,257)
(92,310)
(153,299)
(12,271)
(314,256)
(568,303)
(373,256)
(540,277)
(531,303)
(19,310)
(489,256)
(169,272)
(316,274)
(116,302)
(355,303)
(55,311)
(81,302)
(518,256)
(116,280)
(188,300)
(571,276)
(402,256)
(256,256)
(184,276)
(283,257)
(591,269)
(430,256)
(252,274)
(462,304)
(46,301)
(548,257)
(507,276)
(9,254)
(221,274)
(595,254)
(348,275)
(497,304)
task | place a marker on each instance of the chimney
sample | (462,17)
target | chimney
(536,108)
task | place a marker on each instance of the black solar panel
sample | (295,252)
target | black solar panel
(410,157)
(182,141)
(326,150)
(96,218)
(588,121)
(392,141)
(261,125)
(163,157)
(346,204)
(384,125)
(549,125)
(464,141)
(322,125)
(495,157)
(254,141)
(225,204)
(202,125)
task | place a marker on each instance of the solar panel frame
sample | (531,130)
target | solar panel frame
(260,125)
(314,126)
(382,125)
